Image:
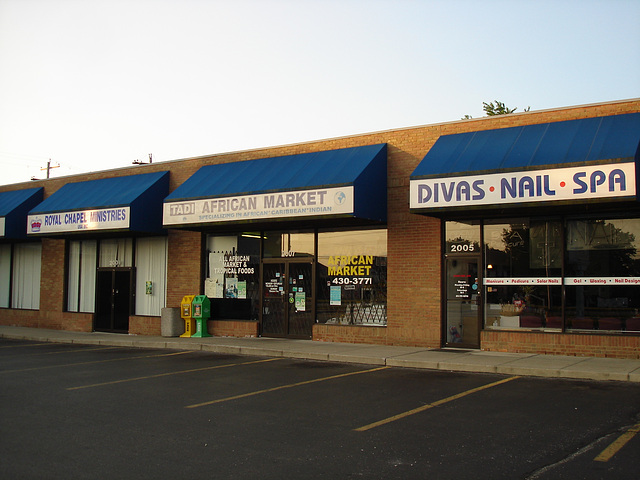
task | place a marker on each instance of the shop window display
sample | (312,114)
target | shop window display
(352,277)
(232,282)
(603,275)
(523,274)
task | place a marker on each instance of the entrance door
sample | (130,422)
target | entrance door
(287,298)
(464,309)
(113,302)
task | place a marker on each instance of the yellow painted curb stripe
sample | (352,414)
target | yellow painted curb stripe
(166,374)
(620,442)
(282,387)
(431,405)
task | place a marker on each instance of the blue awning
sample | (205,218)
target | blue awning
(520,164)
(130,203)
(349,182)
(14,207)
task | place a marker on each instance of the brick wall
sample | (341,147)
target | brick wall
(414,255)
(52,283)
(581,345)
(184,269)
(231,328)
(144,325)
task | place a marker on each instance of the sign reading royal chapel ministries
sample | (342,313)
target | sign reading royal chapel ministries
(80,220)
(300,203)
(574,183)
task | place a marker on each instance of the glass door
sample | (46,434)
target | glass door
(463,307)
(113,300)
(274,322)
(301,314)
(287,298)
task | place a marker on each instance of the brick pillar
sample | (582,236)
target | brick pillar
(184,268)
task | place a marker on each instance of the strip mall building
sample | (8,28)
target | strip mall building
(516,233)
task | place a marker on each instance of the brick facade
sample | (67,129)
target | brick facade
(414,265)
(581,345)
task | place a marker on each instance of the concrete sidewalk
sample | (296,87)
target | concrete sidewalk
(558,366)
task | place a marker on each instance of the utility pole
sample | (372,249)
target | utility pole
(49,167)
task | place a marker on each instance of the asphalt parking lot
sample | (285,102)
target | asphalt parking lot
(82,411)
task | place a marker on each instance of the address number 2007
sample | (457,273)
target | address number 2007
(462,248)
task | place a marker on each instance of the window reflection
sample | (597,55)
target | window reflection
(523,285)
(352,277)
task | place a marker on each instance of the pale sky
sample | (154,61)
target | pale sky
(94,85)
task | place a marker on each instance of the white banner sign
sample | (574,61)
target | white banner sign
(1,226)
(302,203)
(602,281)
(101,219)
(523,281)
(558,281)
(576,183)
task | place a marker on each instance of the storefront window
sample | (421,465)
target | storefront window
(288,244)
(603,274)
(151,275)
(81,280)
(233,269)
(5,275)
(25,282)
(352,277)
(523,273)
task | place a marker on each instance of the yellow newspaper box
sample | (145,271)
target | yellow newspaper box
(185,313)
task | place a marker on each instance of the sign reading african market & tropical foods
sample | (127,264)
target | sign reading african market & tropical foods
(558,184)
(300,203)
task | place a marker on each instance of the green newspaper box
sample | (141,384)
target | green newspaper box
(201,311)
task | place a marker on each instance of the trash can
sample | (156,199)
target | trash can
(185,313)
(201,311)
(171,324)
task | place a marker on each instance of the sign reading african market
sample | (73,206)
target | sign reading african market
(301,203)
(575,183)
(100,219)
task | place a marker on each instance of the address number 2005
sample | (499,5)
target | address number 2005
(457,248)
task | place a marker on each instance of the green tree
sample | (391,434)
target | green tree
(497,108)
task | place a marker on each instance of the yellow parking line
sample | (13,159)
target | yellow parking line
(80,350)
(92,362)
(26,345)
(166,374)
(282,387)
(431,405)
(77,350)
(620,442)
